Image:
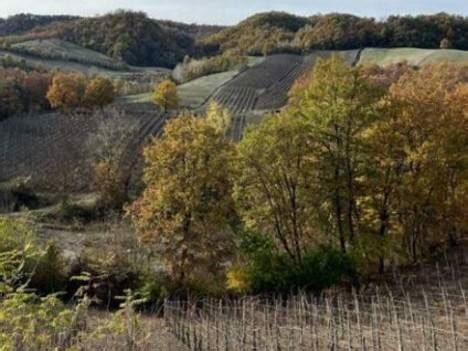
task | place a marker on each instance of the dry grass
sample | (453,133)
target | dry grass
(413,56)
(408,313)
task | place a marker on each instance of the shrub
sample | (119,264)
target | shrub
(49,274)
(41,266)
(153,287)
(71,212)
(105,276)
(108,184)
(165,95)
(270,271)
(191,69)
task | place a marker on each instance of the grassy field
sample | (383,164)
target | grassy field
(413,56)
(88,68)
(193,94)
(66,51)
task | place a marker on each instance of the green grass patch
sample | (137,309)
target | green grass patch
(413,56)
(66,51)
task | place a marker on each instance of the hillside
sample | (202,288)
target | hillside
(276,32)
(413,56)
(136,39)
(130,37)
(22,23)
(57,49)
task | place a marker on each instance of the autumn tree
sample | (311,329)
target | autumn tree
(107,146)
(275,186)
(419,148)
(186,207)
(66,91)
(337,103)
(165,95)
(100,91)
(218,117)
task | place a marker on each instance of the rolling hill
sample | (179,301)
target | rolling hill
(277,32)
(130,37)
(412,56)
(57,49)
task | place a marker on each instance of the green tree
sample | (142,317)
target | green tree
(275,185)
(338,104)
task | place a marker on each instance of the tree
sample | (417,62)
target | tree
(106,147)
(187,206)
(338,104)
(275,187)
(418,189)
(99,92)
(218,117)
(66,91)
(165,95)
(445,44)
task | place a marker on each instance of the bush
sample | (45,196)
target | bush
(271,271)
(49,274)
(41,266)
(70,212)
(191,69)
(105,276)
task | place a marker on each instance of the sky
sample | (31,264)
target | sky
(229,12)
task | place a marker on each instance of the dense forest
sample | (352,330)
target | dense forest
(281,32)
(131,37)
(21,23)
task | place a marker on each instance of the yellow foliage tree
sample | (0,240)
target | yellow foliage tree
(418,190)
(274,184)
(66,91)
(99,92)
(186,206)
(165,95)
(338,104)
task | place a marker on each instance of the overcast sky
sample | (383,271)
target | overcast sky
(231,11)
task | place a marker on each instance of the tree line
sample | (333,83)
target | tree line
(357,174)
(278,32)
(136,39)
(31,91)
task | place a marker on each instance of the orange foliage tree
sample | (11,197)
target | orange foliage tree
(66,91)
(100,92)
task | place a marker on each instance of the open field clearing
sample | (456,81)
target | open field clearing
(425,309)
(413,56)
(192,94)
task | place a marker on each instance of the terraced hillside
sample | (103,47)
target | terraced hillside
(52,148)
(265,86)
